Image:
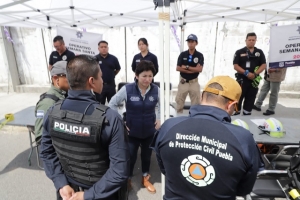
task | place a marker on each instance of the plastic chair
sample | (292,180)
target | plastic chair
(121,84)
(33,145)
(269,185)
(281,160)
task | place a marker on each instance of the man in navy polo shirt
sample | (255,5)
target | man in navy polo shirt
(189,64)
(110,67)
(61,53)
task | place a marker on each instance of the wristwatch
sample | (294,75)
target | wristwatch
(187,67)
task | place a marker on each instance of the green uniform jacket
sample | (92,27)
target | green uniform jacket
(42,108)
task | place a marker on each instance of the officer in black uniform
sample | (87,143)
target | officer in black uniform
(190,64)
(61,53)
(249,62)
(110,67)
(145,54)
(84,145)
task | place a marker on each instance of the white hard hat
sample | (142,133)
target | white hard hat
(272,127)
(241,123)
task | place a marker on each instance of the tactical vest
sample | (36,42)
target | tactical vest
(76,139)
(44,96)
(140,114)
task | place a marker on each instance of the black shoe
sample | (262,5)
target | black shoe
(236,113)
(256,108)
(269,112)
(246,113)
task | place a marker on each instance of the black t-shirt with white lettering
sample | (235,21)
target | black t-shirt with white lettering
(66,56)
(185,58)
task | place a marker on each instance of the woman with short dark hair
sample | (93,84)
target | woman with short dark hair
(141,98)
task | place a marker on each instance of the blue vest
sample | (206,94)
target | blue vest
(140,114)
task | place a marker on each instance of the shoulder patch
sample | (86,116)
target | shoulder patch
(40,113)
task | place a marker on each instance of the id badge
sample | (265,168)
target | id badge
(248,64)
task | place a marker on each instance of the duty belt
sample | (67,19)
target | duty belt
(191,81)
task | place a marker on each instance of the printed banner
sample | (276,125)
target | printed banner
(284,46)
(80,42)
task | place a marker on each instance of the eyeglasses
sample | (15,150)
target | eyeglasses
(190,58)
(61,75)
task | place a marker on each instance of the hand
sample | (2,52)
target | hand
(66,192)
(157,124)
(251,76)
(77,196)
(255,82)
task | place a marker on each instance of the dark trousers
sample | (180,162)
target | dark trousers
(248,94)
(134,144)
(108,92)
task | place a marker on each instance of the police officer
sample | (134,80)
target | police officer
(56,92)
(249,62)
(145,54)
(203,155)
(84,146)
(61,53)
(110,67)
(189,64)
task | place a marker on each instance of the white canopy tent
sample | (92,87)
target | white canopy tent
(115,13)
(130,13)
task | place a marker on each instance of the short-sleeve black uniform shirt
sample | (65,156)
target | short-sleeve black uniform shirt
(185,58)
(66,56)
(242,56)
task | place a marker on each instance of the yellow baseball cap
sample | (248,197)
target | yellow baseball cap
(231,89)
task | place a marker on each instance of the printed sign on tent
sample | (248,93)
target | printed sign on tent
(285,46)
(80,42)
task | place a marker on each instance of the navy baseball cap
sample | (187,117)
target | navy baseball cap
(192,37)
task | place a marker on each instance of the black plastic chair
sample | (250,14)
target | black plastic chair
(158,84)
(121,84)
(281,160)
(269,185)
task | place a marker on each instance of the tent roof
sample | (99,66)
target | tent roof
(116,13)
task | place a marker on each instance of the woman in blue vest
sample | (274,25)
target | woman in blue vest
(141,97)
(145,54)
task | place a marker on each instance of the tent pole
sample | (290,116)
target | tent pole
(166,79)
(49,78)
(10,59)
(125,36)
(160,4)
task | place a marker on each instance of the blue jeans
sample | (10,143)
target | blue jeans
(134,144)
